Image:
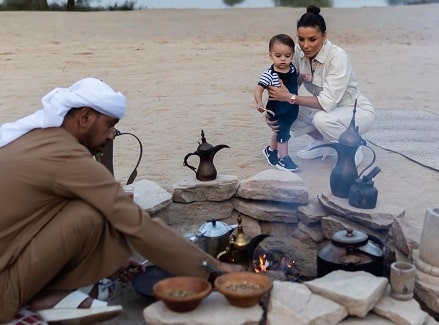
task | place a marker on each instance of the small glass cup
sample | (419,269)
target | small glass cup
(129,190)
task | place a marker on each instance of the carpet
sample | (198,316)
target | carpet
(411,133)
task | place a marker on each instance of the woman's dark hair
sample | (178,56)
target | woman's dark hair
(281,38)
(312,18)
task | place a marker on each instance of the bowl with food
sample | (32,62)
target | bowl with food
(243,289)
(182,293)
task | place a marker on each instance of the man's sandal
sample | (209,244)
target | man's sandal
(67,310)
(25,316)
(102,290)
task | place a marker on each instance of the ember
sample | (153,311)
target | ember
(267,262)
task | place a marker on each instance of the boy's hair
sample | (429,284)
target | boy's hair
(281,38)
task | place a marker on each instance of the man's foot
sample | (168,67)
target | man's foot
(270,155)
(286,164)
(309,153)
(79,307)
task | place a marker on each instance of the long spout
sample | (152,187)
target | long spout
(254,242)
(219,147)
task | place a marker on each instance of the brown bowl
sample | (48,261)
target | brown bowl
(182,293)
(243,289)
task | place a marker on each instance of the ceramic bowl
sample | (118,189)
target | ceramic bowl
(243,289)
(182,293)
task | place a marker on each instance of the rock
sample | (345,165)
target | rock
(190,189)
(197,213)
(294,303)
(400,312)
(150,196)
(332,224)
(311,213)
(274,185)
(379,218)
(213,310)
(370,319)
(314,231)
(267,211)
(357,291)
(399,237)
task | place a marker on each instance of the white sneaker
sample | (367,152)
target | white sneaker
(308,153)
(358,156)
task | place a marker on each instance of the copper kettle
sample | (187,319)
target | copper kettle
(345,172)
(206,170)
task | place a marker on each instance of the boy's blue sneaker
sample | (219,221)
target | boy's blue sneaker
(286,164)
(270,155)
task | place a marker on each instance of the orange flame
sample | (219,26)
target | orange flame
(263,264)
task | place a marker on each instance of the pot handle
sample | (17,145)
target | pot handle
(371,252)
(185,163)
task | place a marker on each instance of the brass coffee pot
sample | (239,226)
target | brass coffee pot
(241,247)
(345,172)
(206,170)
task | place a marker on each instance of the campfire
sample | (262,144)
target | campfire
(275,265)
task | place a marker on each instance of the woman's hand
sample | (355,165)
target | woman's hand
(280,94)
(271,124)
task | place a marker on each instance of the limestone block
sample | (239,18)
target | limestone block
(296,304)
(379,218)
(274,185)
(400,312)
(429,241)
(213,310)
(399,236)
(332,224)
(189,189)
(198,213)
(314,232)
(370,319)
(267,210)
(312,212)
(357,291)
(150,196)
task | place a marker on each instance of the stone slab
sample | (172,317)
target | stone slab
(274,185)
(358,291)
(213,310)
(150,196)
(189,189)
(379,218)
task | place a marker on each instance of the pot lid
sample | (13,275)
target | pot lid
(350,237)
(214,228)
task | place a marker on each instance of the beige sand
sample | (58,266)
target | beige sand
(187,70)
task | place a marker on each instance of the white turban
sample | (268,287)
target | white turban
(88,92)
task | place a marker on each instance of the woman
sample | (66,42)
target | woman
(327,96)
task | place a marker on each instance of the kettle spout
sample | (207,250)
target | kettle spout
(254,242)
(217,148)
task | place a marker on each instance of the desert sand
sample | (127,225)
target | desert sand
(187,70)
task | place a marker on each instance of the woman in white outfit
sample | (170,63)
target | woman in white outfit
(327,96)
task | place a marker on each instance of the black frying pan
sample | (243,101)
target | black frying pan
(144,281)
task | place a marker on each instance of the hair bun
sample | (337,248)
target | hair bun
(313,9)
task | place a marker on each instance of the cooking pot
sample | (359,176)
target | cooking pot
(213,236)
(351,250)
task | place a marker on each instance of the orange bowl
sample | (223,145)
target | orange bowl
(182,293)
(243,289)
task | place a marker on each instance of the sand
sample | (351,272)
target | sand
(187,70)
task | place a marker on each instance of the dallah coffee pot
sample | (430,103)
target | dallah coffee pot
(345,172)
(206,170)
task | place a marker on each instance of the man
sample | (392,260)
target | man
(65,223)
